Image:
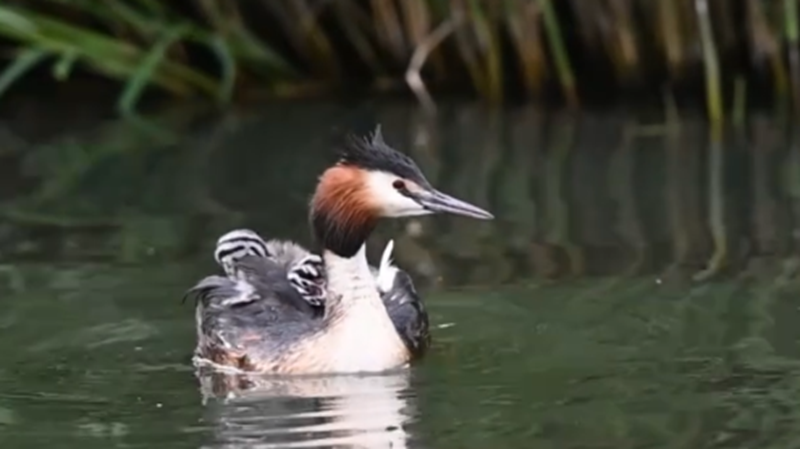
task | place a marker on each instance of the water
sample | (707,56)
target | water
(590,314)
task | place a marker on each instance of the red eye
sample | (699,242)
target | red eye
(399,184)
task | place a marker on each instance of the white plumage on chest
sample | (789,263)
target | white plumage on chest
(363,337)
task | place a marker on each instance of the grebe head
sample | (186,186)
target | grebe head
(372,180)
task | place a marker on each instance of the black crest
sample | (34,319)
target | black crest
(372,153)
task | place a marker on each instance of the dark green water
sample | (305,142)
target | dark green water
(590,314)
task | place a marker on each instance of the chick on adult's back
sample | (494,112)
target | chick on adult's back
(306,272)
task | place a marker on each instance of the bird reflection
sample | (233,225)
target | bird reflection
(307,412)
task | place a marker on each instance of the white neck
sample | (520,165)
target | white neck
(362,334)
(351,279)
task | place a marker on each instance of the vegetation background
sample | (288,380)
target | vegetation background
(569,52)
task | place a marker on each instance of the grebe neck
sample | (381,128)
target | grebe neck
(343,242)
(341,225)
(350,281)
(342,239)
(358,329)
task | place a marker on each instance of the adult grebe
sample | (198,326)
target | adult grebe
(306,272)
(280,332)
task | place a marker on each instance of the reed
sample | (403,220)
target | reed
(792,34)
(223,51)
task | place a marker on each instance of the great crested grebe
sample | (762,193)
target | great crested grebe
(280,332)
(306,272)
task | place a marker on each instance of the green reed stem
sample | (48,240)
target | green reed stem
(25,61)
(524,26)
(490,50)
(790,14)
(563,66)
(792,30)
(670,34)
(140,79)
(711,63)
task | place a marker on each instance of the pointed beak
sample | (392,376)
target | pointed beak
(438,202)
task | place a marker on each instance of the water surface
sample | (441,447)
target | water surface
(636,290)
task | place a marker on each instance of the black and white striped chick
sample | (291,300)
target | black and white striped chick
(306,273)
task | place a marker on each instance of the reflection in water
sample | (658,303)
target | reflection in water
(332,411)
(574,195)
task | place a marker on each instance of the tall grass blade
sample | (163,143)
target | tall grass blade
(315,37)
(793,40)
(559,51)
(670,35)
(142,76)
(387,25)
(766,46)
(63,66)
(346,13)
(713,89)
(465,47)
(15,21)
(524,24)
(228,64)
(24,62)
(589,17)
(490,52)
(416,17)
(244,44)
(625,44)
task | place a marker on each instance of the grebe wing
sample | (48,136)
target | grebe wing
(403,303)
(251,317)
(260,287)
(408,314)
(271,284)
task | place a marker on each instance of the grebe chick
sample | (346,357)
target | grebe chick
(305,270)
(280,333)
(306,273)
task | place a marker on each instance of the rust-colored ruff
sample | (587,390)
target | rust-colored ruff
(343,212)
(342,193)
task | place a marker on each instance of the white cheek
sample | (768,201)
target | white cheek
(391,202)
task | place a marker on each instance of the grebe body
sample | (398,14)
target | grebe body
(299,313)
(306,272)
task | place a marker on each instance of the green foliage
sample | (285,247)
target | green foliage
(139,43)
(147,43)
